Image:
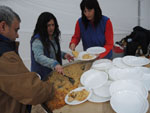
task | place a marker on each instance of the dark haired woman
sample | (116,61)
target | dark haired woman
(46,53)
(93,28)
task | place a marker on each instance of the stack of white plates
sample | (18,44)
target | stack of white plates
(135,61)
(101,94)
(146,77)
(103,91)
(128,96)
(97,99)
(118,62)
(98,82)
(102,64)
(130,61)
(131,85)
(129,102)
(126,73)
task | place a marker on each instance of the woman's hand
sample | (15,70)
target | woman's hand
(59,69)
(69,57)
(72,47)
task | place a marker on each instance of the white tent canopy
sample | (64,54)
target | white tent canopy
(124,15)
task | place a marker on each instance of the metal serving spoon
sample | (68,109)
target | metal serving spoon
(70,79)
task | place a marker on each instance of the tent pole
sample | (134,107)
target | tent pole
(139,12)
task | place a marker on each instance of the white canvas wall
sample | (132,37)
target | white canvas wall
(123,14)
(145,13)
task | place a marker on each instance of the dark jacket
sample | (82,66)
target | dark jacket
(38,68)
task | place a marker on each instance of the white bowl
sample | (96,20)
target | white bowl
(103,91)
(135,61)
(128,102)
(126,73)
(97,99)
(93,78)
(146,81)
(119,63)
(130,85)
(102,64)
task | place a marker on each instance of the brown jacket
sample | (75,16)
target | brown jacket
(18,86)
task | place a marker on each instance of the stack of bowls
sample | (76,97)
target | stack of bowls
(129,96)
(97,81)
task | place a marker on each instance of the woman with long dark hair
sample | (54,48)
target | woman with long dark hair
(46,54)
(93,28)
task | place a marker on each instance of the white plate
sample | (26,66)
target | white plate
(119,63)
(103,91)
(146,76)
(98,99)
(83,53)
(102,64)
(145,108)
(126,73)
(93,78)
(128,102)
(135,61)
(131,85)
(101,61)
(145,70)
(96,50)
(75,102)
(146,81)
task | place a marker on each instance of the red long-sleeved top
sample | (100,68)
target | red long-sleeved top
(108,37)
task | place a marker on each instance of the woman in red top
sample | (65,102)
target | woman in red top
(93,29)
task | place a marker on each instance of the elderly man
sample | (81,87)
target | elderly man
(18,86)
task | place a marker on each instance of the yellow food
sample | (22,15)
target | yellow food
(87,56)
(78,95)
(75,53)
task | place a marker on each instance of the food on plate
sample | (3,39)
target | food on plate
(87,56)
(75,53)
(78,95)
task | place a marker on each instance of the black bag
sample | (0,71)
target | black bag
(131,48)
(137,40)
